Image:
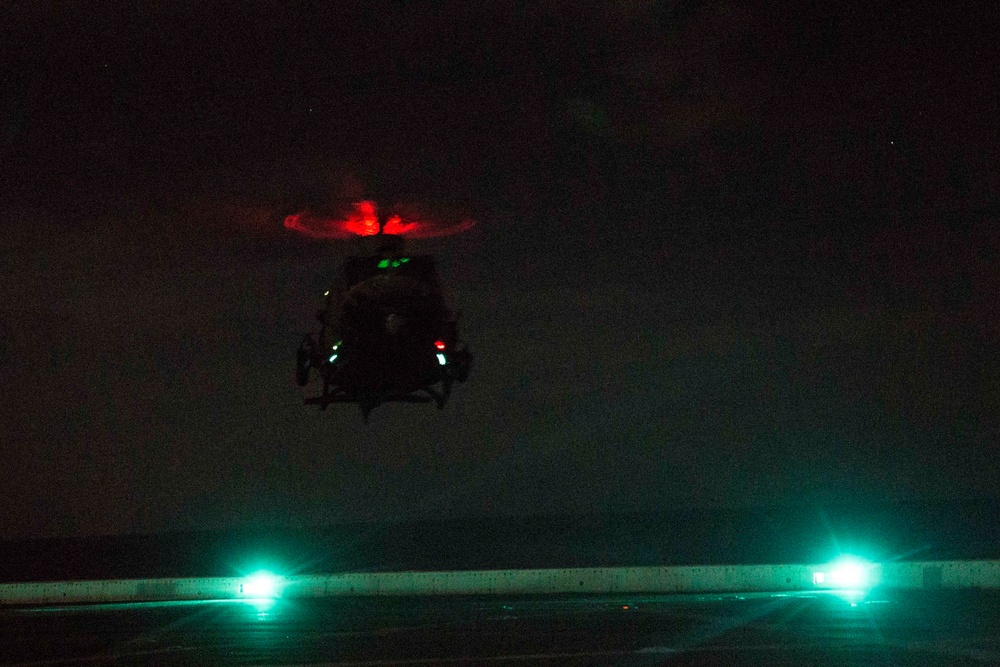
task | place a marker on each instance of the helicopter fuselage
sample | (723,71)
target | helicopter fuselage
(386,335)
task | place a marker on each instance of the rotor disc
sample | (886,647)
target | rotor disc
(362,219)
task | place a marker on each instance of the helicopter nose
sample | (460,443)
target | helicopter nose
(394,324)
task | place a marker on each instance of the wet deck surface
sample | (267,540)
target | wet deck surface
(883,628)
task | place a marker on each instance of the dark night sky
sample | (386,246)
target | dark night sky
(727,255)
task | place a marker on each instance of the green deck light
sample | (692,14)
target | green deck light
(845,574)
(262,585)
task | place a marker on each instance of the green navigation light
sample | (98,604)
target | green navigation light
(383,264)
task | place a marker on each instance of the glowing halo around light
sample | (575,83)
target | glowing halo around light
(362,219)
(845,573)
(262,585)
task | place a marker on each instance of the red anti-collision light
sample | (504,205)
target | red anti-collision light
(439,344)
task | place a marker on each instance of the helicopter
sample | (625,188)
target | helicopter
(386,333)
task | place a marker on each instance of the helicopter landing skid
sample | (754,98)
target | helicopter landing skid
(367,404)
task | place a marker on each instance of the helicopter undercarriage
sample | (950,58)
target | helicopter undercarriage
(368,401)
(432,383)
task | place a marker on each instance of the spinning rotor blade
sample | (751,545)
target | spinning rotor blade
(362,219)
(358,219)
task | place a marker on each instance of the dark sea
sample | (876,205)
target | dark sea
(900,531)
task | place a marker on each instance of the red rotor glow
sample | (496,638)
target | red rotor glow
(362,219)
